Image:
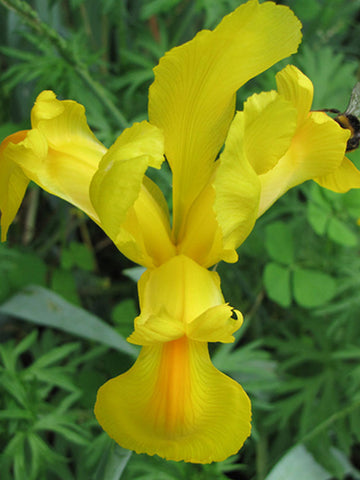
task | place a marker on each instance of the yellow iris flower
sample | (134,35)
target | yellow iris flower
(173,402)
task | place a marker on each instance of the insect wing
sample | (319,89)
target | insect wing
(354,104)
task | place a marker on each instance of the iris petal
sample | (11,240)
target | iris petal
(217,324)
(270,123)
(344,178)
(317,149)
(131,209)
(174,403)
(297,88)
(13,183)
(60,153)
(237,188)
(192,97)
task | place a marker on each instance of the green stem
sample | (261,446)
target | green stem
(31,216)
(261,457)
(30,16)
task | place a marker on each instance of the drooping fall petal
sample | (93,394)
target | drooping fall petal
(173,402)
(192,97)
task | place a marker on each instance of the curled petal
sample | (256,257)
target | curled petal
(63,124)
(347,176)
(131,209)
(296,145)
(60,153)
(237,188)
(174,403)
(217,324)
(316,150)
(297,88)
(153,329)
(192,97)
(181,288)
(270,123)
(73,153)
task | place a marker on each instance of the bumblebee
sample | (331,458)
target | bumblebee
(350,118)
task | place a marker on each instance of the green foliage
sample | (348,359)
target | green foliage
(285,278)
(297,280)
(38,392)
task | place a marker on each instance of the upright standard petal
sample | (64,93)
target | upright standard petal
(192,97)
(131,209)
(225,211)
(237,188)
(173,402)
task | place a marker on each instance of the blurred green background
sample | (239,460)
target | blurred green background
(68,297)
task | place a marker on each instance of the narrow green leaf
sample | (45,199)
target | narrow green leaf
(55,355)
(26,343)
(43,307)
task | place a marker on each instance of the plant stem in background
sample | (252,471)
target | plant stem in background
(30,16)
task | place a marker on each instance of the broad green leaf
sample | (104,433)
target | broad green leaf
(29,269)
(313,288)
(277,283)
(318,217)
(63,283)
(43,307)
(340,233)
(77,255)
(298,464)
(279,243)
(351,200)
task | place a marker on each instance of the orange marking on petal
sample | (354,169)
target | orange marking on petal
(16,137)
(173,389)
